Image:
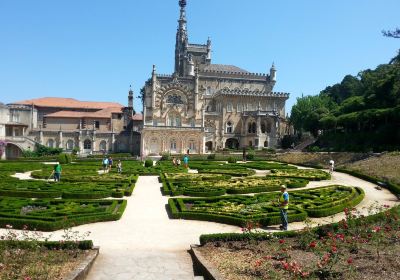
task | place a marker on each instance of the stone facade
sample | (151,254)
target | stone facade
(89,127)
(202,106)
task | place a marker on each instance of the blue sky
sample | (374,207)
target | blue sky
(94,49)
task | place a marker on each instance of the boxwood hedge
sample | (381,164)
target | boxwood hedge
(264,209)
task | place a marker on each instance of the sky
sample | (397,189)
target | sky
(93,50)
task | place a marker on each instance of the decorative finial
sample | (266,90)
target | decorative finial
(182,3)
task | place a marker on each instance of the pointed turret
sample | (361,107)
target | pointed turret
(272,73)
(130,97)
(181,39)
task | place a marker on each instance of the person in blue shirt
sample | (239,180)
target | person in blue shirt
(284,206)
(186,161)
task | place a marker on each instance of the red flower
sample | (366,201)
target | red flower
(258,263)
(386,206)
(281,241)
(377,229)
(350,260)
(313,244)
(334,249)
(285,265)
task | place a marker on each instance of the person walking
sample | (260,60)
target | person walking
(244,155)
(186,161)
(119,166)
(110,163)
(105,165)
(331,166)
(57,172)
(284,206)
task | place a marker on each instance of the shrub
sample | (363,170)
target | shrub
(250,155)
(211,156)
(148,163)
(231,160)
(64,158)
(165,156)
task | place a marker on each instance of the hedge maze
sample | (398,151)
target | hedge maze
(264,208)
(47,205)
(214,193)
(53,214)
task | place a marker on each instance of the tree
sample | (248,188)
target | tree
(394,34)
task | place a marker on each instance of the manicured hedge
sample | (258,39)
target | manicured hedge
(263,208)
(50,214)
(202,186)
(50,245)
(308,174)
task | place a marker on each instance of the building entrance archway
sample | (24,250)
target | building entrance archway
(232,143)
(13,151)
(209,146)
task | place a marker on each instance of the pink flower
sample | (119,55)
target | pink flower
(334,249)
(377,229)
(258,262)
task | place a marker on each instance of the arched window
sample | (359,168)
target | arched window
(263,128)
(252,128)
(174,119)
(173,145)
(50,143)
(192,145)
(269,127)
(70,145)
(229,107)
(103,146)
(229,127)
(87,144)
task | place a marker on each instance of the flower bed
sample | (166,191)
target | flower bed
(309,174)
(264,208)
(51,214)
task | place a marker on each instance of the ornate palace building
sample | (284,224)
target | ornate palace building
(203,106)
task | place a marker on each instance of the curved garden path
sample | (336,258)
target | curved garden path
(146,244)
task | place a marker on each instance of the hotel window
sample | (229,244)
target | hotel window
(173,145)
(229,127)
(97,124)
(50,143)
(229,107)
(192,122)
(239,107)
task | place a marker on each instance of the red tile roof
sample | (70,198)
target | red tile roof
(67,103)
(101,114)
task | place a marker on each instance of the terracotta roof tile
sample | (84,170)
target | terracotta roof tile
(101,114)
(67,103)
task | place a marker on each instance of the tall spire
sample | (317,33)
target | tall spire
(181,38)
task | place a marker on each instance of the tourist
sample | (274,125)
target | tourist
(284,206)
(105,165)
(110,163)
(244,155)
(186,161)
(57,172)
(331,166)
(178,162)
(174,161)
(119,166)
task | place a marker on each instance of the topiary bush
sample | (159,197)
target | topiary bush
(231,160)
(64,158)
(211,156)
(250,155)
(148,163)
